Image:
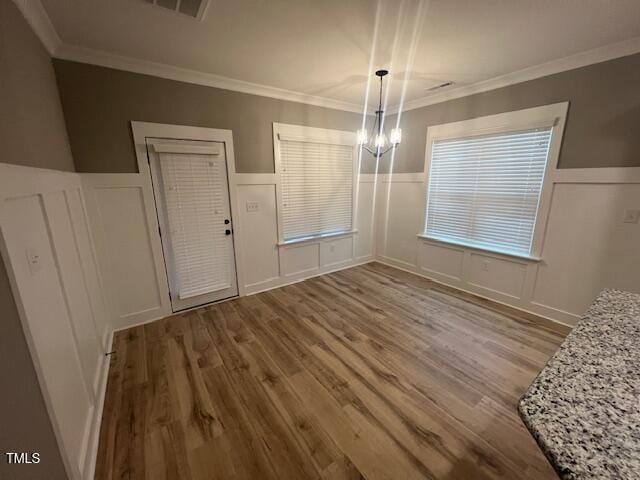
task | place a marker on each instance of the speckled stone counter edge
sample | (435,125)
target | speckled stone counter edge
(609,306)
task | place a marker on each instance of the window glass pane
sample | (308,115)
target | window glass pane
(483,191)
(317,188)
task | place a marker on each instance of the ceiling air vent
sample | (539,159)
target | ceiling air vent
(191,8)
(438,87)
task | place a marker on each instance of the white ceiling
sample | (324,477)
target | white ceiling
(326,48)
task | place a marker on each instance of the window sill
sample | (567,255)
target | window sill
(315,238)
(528,258)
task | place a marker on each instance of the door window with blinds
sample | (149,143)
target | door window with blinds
(192,198)
(484,191)
(317,171)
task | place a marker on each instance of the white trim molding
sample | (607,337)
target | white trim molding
(144,130)
(415,177)
(303,133)
(316,238)
(300,133)
(553,116)
(37,17)
(628,175)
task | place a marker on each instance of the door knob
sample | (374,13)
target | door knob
(227,232)
(226,221)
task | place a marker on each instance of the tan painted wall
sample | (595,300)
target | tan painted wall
(99,104)
(32,133)
(602,128)
(32,129)
(603,125)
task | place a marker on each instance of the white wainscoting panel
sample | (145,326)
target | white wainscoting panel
(365,216)
(125,227)
(91,273)
(400,208)
(300,259)
(130,259)
(259,234)
(50,258)
(441,260)
(337,252)
(588,246)
(498,275)
(268,264)
(43,300)
(76,296)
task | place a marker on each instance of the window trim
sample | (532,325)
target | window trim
(553,115)
(283,131)
(316,238)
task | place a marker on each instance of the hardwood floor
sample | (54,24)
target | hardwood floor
(368,373)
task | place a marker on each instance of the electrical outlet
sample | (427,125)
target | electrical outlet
(253,206)
(631,216)
(485,266)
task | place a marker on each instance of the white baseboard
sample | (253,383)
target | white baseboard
(290,280)
(406,267)
(259,288)
(94,438)
(391,262)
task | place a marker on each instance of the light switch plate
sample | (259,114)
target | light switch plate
(252,206)
(34,260)
(631,216)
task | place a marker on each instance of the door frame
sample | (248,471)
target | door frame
(142,131)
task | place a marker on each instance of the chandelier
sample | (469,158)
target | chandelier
(378,143)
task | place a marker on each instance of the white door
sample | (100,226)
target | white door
(192,199)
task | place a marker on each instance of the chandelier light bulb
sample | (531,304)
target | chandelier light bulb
(396,136)
(381,140)
(362,136)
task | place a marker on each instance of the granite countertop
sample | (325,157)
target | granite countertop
(583,409)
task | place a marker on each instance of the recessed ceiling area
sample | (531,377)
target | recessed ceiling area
(330,48)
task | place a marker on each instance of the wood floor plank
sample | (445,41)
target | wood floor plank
(247,455)
(305,427)
(369,372)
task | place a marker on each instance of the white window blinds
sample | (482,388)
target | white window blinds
(194,188)
(483,191)
(317,188)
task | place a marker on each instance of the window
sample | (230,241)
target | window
(484,190)
(317,171)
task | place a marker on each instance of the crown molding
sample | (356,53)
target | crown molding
(37,17)
(118,62)
(39,20)
(582,59)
